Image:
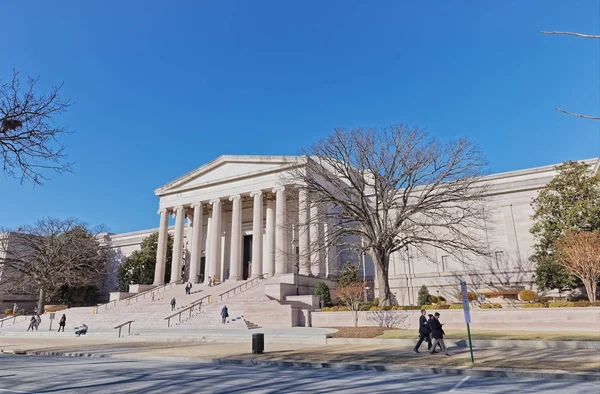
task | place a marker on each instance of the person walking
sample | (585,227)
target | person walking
(187,288)
(438,334)
(224,314)
(209,281)
(62,323)
(15,309)
(429,324)
(38,321)
(173,302)
(423,332)
(31,323)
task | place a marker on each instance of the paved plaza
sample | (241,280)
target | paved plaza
(38,374)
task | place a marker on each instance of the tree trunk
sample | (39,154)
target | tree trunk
(41,301)
(590,288)
(382,264)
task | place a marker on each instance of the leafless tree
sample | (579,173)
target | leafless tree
(579,253)
(381,191)
(30,141)
(569,33)
(50,254)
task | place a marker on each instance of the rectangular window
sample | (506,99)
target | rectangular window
(445,263)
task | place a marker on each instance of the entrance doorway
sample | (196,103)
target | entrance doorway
(246,256)
(202,267)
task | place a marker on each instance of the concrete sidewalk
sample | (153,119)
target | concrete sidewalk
(513,362)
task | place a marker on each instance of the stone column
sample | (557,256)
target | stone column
(207,247)
(315,241)
(303,232)
(257,234)
(215,239)
(269,267)
(161,252)
(195,243)
(178,244)
(235,262)
(280,230)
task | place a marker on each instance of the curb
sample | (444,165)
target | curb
(482,343)
(476,371)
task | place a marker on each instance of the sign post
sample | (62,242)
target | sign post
(467,310)
(51,317)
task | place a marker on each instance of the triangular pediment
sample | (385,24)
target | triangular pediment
(226,169)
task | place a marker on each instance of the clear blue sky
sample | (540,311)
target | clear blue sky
(162,87)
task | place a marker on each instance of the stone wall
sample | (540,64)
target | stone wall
(547,319)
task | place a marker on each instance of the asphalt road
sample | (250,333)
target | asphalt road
(31,374)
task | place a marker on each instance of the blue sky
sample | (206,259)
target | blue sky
(161,88)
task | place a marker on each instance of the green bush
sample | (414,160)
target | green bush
(375,301)
(322,291)
(472,296)
(423,296)
(406,308)
(534,305)
(456,306)
(528,296)
(441,299)
(569,304)
(442,306)
(582,304)
(433,299)
(596,303)
(496,306)
(485,306)
(336,309)
(9,311)
(348,275)
(380,308)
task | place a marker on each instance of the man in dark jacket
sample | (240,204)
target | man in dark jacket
(437,333)
(423,332)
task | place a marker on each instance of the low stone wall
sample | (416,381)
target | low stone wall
(547,319)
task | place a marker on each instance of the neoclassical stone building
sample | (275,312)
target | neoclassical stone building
(232,221)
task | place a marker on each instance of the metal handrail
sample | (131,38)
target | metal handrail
(14,317)
(245,284)
(135,297)
(190,308)
(124,324)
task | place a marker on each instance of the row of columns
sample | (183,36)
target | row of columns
(273,257)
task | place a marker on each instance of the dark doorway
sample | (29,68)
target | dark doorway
(246,256)
(202,267)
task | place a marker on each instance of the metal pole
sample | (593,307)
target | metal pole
(470,344)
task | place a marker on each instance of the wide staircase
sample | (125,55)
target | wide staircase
(147,311)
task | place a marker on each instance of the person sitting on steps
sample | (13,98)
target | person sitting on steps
(82,330)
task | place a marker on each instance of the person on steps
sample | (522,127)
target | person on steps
(31,323)
(224,314)
(173,302)
(423,332)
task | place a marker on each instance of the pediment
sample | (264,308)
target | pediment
(225,169)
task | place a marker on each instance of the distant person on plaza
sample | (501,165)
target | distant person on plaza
(224,314)
(423,332)
(438,334)
(187,288)
(38,321)
(31,323)
(15,309)
(173,302)
(62,323)
(82,330)
(209,281)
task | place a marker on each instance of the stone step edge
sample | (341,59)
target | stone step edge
(464,371)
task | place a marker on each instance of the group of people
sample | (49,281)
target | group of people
(428,329)
(35,321)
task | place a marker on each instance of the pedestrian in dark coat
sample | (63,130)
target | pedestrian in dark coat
(438,334)
(62,323)
(173,304)
(224,314)
(423,332)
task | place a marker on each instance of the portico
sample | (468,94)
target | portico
(232,213)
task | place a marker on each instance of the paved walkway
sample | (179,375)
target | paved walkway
(28,375)
(580,360)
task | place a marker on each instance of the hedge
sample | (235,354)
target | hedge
(456,306)
(491,306)
(534,305)
(528,295)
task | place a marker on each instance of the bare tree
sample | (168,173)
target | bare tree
(29,139)
(351,296)
(381,191)
(50,254)
(579,253)
(569,33)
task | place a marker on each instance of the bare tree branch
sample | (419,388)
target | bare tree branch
(29,140)
(578,115)
(568,33)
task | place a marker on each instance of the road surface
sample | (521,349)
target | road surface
(36,374)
